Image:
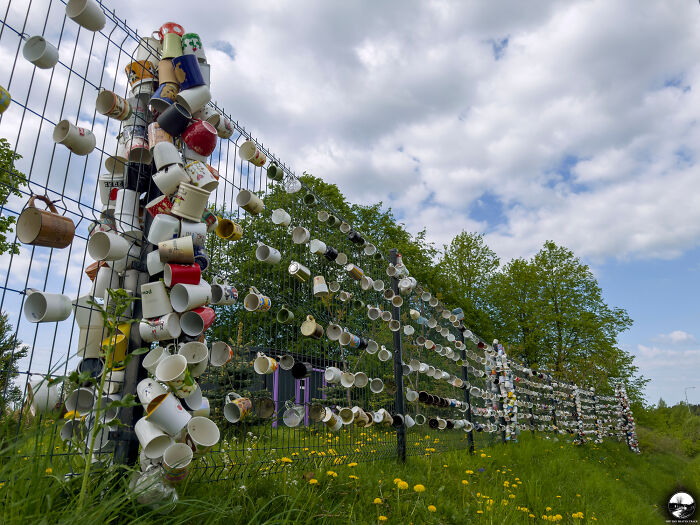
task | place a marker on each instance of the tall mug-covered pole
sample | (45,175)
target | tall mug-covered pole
(126,450)
(467,398)
(398,368)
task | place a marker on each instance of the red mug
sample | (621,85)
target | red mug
(207,314)
(201,137)
(160,204)
(181,274)
(197,321)
(169,27)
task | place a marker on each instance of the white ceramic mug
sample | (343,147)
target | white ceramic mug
(42,307)
(166,412)
(384,354)
(202,435)
(148,389)
(185,297)
(103,246)
(376,385)
(166,154)
(80,141)
(347,379)
(334,331)
(170,177)
(40,52)
(86,13)
(318,247)
(153,358)
(197,355)
(163,228)
(190,202)
(221,353)
(81,400)
(332,375)
(196,230)
(201,175)
(161,328)
(280,217)
(153,440)
(300,235)
(44,398)
(154,300)
(267,254)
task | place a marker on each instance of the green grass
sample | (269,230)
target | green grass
(607,483)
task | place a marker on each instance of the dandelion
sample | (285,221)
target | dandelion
(383,518)
(479,511)
(352,465)
(396,480)
(313,481)
(548,509)
(402,485)
(432,508)
(469,472)
(332,473)
(377,501)
(352,476)
(465,482)
(286,460)
(511,496)
(483,455)
(49,470)
(530,515)
(419,488)
(445,466)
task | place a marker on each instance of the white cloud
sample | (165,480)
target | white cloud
(675,337)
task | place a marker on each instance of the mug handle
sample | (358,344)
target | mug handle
(43,198)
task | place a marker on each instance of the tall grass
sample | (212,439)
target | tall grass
(513,483)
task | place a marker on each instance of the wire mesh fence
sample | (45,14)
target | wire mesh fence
(317,335)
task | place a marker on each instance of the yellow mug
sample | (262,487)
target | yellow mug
(228,230)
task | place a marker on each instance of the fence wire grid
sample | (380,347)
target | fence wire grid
(499,398)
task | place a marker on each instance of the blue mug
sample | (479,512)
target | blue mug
(187,71)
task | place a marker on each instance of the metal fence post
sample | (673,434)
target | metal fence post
(467,395)
(398,367)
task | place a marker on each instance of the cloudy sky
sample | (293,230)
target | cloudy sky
(573,121)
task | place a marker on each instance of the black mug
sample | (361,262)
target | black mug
(175,119)
(355,237)
(331,253)
(301,370)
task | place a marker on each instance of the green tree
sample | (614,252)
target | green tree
(10,181)
(11,351)
(513,293)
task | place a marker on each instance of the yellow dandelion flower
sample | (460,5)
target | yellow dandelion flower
(432,508)
(286,460)
(352,476)
(352,465)
(530,515)
(578,495)
(465,482)
(396,480)
(383,518)
(479,511)
(313,481)
(548,509)
(377,501)
(49,470)
(511,496)
(445,466)
(483,455)
(419,488)
(402,485)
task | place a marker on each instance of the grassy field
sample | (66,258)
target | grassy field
(536,480)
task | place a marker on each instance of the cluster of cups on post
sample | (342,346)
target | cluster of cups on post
(159,170)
